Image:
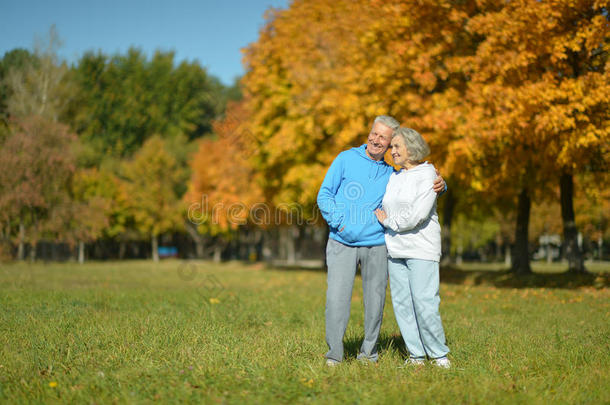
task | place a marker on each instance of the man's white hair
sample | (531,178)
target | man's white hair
(388,121)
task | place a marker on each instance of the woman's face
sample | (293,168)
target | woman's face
(399,151)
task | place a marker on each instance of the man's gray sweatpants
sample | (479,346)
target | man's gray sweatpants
(342,261)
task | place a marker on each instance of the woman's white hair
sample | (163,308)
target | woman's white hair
(417,147)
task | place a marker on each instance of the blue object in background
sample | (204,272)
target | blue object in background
(168,251)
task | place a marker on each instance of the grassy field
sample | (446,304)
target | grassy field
(138,332)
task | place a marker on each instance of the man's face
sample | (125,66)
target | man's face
(379,141)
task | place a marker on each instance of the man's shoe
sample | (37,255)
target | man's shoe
(442,362)
(331,363)
(363,359)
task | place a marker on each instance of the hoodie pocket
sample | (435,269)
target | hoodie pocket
(352,232)
(366,229)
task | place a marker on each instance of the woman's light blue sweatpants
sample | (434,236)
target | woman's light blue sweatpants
(414,286)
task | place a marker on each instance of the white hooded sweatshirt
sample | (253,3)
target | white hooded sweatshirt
(412,228)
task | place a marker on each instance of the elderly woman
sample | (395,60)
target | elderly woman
(413,239)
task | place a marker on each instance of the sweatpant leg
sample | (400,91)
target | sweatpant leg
(374,270)
(402,301)
(424,279)
(342,262)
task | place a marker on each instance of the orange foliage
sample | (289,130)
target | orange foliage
(322,70)
(506,93)
(223,187)
(539,91)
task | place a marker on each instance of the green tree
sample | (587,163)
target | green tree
(14,60)
(153,184)
(126,99)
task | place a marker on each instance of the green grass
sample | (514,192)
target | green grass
(136,332)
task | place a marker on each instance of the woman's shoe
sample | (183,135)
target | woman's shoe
(442,362)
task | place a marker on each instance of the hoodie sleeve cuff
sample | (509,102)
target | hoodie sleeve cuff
(391,224)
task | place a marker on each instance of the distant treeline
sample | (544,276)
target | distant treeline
(98,150)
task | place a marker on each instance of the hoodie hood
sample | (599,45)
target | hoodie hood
(422,167)
(377,168)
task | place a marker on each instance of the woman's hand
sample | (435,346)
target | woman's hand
(439,183)
(381,215)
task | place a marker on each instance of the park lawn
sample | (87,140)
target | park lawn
(138,332)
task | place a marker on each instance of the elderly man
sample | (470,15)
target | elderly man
(350,193)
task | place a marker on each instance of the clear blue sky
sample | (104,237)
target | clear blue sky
(209,31)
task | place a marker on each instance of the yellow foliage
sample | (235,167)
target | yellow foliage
(508,94)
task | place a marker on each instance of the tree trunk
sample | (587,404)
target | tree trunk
(287,244)
(521,258)
(34,241)
(268,244)
(21,246)
(81,252)
(199,249)
(499,244)
(122,249)
(508,256)
(33,252)
(243,239)
(255,246)
(55,252)
(198,238)
(448,210)
(155,248)
(570,234)
(217,253)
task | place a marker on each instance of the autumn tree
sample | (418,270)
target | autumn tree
(301,116)
(537,103)
(90,210)
(36,164)
(592,208)
(153,186)
(39,152)
(419,82)
(108,194)
(224,189)
(574,103)
(37,84)
(321,71)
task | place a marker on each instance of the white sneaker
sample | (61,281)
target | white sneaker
(442,362)
(331,363)
(414,362)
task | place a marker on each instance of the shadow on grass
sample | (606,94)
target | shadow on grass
(351,345)
(507,279)
(296,267)
(500,279)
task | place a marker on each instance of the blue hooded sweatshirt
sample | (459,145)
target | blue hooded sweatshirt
(350,193)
